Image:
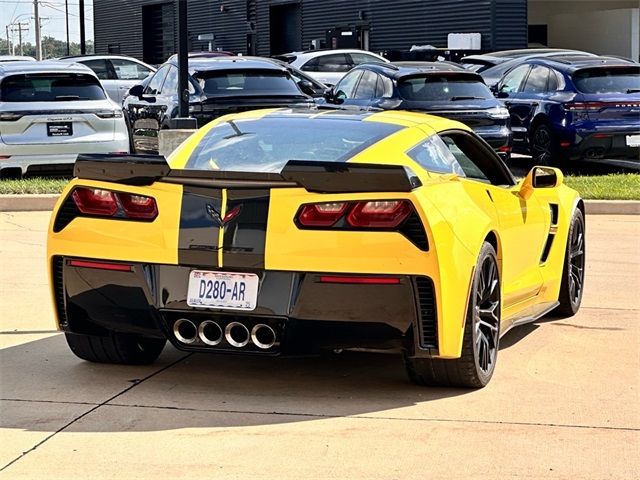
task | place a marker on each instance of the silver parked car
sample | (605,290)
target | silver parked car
(118,73)
(16,58)
(49,113)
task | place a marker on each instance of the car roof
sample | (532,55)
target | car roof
(526,51)
(399,70)
(225,62)
(570,64)
(46,66)
(16,58)
(327,51)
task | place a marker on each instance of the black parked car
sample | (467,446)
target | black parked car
(439,88)
(217,86)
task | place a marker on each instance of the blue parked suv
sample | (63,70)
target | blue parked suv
(438,88)
(574,108)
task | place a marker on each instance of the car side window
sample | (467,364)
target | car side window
(367,87)
(555,81)
(337,62)
(434,155)
(346,87)
(155,84)
(384,88)
(360,58)
(537,80)
(470,169)
(100,68)
(128,70)
(512,80)
(170,86)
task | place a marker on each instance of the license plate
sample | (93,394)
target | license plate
(60,129)
(224,290)
(633,140)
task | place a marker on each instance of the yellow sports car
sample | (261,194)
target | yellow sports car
(281,232)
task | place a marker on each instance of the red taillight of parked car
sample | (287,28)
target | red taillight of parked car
(106,203)
(370,214)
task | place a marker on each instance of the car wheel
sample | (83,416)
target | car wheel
(122,348)
(542,146)
(477,362)
(572,283)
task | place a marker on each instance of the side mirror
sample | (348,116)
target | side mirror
(136,91)
(540,177)
(307,87)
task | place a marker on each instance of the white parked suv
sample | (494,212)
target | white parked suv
(118,73)
(49,113)
(329,66)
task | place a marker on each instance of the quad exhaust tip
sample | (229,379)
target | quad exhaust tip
(185,331)
(263,336)
(210,333)
(237,334)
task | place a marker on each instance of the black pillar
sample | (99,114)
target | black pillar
(83,43)
(183,59)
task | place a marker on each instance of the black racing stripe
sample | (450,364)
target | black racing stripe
(199,227)
(244,234)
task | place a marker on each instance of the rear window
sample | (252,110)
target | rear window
(267,144)
(442,88)
(59,87)
(607,80)
(247,83)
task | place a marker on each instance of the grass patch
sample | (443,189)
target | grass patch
(618,186)
(32,185)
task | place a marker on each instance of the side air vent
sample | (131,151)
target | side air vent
(413,229)
(554,213)
(553,228)
(427,325)
(58,288)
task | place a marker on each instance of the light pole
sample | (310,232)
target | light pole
(36,14)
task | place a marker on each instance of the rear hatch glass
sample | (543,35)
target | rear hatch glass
(247,83)
(608,80)
(445,88)
(51,87)
(267,144)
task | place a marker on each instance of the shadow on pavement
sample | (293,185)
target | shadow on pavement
(263,390)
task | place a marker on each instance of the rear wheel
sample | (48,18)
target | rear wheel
(122,348)
(573,270)
(477,362)
(542,146)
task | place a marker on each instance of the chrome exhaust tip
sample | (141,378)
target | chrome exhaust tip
(185,331)
(263,336)
(237,334)
(210,333)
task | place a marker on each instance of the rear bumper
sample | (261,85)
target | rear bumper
(306,313)
(30,163)
(598,142)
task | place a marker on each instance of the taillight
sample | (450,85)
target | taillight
(366,214)
(105,203)
(322,214)
(138,206)
(379,214)
(94,201)
(109,113)
(10,116)
(584,106)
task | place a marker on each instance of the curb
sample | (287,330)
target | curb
(39,203)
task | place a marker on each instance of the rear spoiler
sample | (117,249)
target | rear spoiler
(321,177)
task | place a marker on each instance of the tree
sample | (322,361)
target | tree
(51,48)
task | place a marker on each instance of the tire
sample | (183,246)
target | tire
(121,348)
(572,284)
(543,149)
(481,338)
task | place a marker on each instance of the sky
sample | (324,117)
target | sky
(52,13)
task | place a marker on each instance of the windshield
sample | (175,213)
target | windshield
(247,83)
(267,144)
(608,80)
(433,88)
(51,87)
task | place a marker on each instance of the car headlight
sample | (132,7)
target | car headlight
(499,113)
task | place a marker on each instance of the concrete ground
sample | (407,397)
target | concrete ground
(564,402)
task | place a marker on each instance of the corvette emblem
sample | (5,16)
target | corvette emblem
(221,222)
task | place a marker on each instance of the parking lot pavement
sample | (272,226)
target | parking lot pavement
(563,403)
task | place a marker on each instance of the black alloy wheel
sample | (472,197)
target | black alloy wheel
(542,145)
(572,284)
(481,339)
